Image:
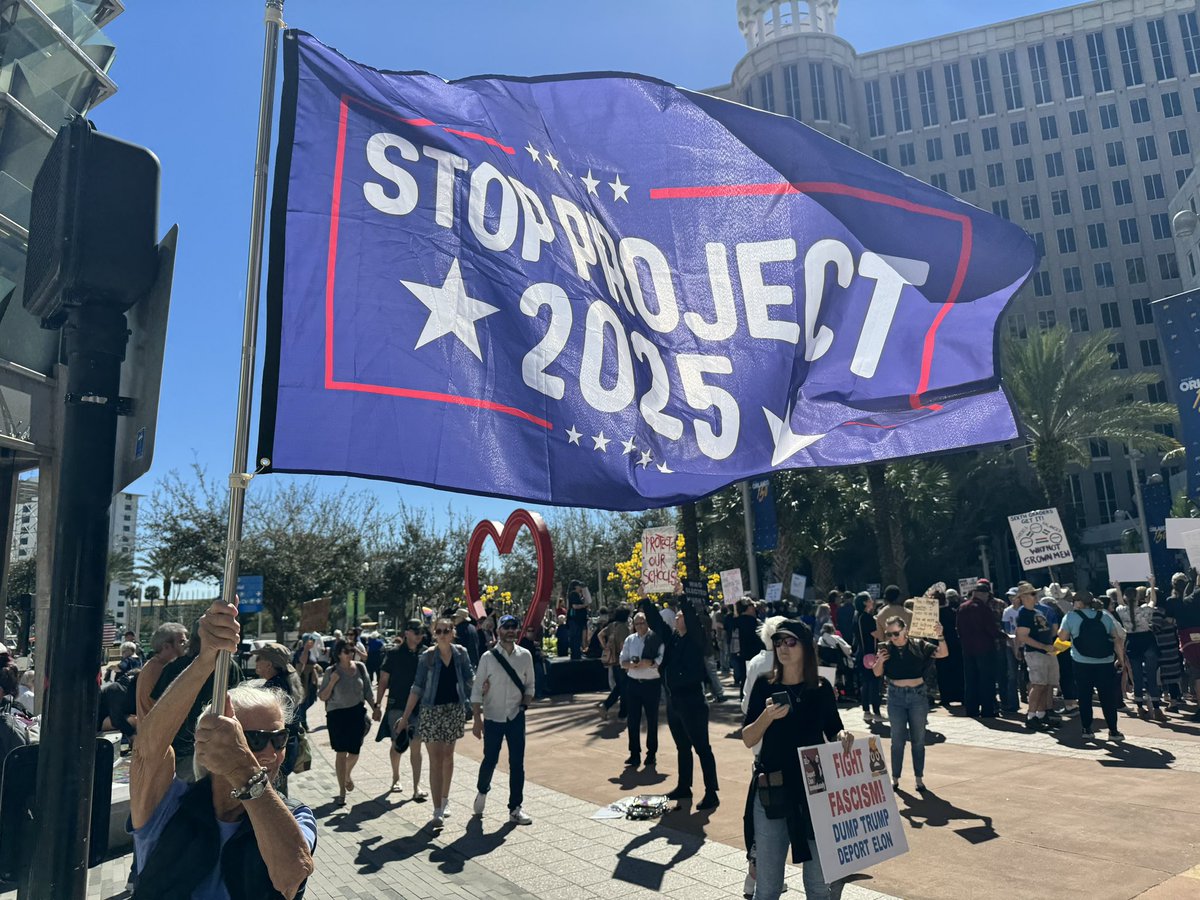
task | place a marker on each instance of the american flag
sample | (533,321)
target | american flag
(109,635)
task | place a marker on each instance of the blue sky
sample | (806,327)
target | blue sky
(189,81)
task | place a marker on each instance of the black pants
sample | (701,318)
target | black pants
(617,694)
(687,717)
(979,684)
(1101,677)
(641,698)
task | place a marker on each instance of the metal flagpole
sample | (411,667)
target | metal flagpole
(748,520)
(238,479)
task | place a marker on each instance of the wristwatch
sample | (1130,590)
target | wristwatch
(254,788)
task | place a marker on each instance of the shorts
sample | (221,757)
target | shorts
(1043,668)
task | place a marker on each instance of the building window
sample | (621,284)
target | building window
(880,154)
(1191,42)
(816,78)
(1181,175)
(1147,148)
(748,95)
(1077,508)
(1180,145)
(1110,314)
(1157,392)
(1122,192)
(1141,311)
(874,109)
(1079,122)
(900,103)
(1154,187)
(991,139)
(1037,71)
(1116,153)
(839,95)
(908,154)
(933,149)
(1072,279)
(1106,496)
(1097,236)
(1046,319)
(1091,196)
(1000,208)
(1054,164)
(1060,203)
(995,174)
(1103,273)
(954,93)
(1168,266)
(791,91)
(1099,62)
(1131,66)
(766,89)
(1150,354)
(1069,68)
(925,93)
(1108,116)
(1039,244)
(1160,50)
(1020,133)
(1119,359)
(1025,169)
(938,180)
(1085,160)
(1135,270)
(1030,207)
(1140,110)
(1172,106)
(1011,79)
(962,144)
(1129,231)
(966,180)
(1098,449)
(983,86)
(1017,327)
(1160,226)
(1079,319)
(1041,286)
(1066,240)
(1049,126)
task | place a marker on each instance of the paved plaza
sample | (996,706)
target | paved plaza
(1009,814)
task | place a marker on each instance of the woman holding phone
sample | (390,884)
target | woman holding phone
(791,708)
(903,661)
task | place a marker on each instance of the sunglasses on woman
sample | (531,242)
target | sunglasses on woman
(443,631)
(785,640)
(895,633)
(257,740)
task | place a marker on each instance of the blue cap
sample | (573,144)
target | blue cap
(505,620)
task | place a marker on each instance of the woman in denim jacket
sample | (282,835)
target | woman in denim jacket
(443,688)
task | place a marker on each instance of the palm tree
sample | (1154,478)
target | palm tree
(1067,394)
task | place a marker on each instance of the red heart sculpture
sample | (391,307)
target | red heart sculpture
(505,536)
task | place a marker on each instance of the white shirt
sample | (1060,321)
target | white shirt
(502,703)
(633,646)
(1144,614)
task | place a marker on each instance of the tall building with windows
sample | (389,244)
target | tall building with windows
(1077,124)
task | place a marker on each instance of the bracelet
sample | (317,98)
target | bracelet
(253,788)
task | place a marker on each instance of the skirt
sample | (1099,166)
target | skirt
(442,724)
(347,728)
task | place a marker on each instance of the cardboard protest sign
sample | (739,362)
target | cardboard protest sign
(775,592)
(966,585)
(1176,528)
(1129,567)
(854,815)
(938,587)
(1191,543)
(314,616)
(799,584)
(658,560)
(1040,539)
(924,617)
(731,585)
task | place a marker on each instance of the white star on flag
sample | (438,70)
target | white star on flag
(537,156)
(629,446)
(662,467)
(553,162)
(600,442)
(573,436)
(645,460)
(619,190)
(787,442)
(451,311)
(591,183)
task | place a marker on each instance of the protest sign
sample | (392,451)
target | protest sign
(775,592)
(1191,543)
(874,590)
(1129,567)
(938,587)
(966,585)
(1040,539)
(829,673)
(314,616)
(924,617)
(658,560)
(799,583)
(1176,528)
(731,585)
(853,809)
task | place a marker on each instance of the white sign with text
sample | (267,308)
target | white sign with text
(1040,539)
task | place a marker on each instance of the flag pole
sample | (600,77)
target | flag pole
(239,479)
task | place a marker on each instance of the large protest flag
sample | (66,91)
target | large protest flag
(602,290)
(1178,321)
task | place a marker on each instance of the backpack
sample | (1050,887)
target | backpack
(1093,639)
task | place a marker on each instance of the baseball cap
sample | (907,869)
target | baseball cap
(277,655)
(509,620)
(796,628)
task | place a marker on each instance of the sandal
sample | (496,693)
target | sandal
(420,796)
(349,784)
(395,788)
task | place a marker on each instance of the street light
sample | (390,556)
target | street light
(597,549)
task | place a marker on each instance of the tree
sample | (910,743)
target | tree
(818,509)
(1067,394)
(887,537)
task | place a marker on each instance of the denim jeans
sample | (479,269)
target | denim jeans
(494,734)
(1144,666)
(772,849)
(908,710)
(575,638)
(714,680)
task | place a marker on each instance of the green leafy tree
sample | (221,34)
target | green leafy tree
(1068,393)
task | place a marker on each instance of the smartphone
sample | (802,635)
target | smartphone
(781,698)
(635,659)
(883,645)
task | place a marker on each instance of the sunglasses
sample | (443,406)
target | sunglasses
(257,740)
(443,631)
(895,633)
(785,640)
(348,650)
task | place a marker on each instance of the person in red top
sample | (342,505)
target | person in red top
(978,632)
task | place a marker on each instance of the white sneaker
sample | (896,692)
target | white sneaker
(480,803)
(517,815)
(748,887)
(868,718)
(446,808)
(436,822)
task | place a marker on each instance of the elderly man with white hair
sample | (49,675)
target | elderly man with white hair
(229,834)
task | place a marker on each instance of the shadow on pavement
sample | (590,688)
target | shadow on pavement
(632,778)
(647,874)
(351,816)
(371,859)
(473,843)
(930,810)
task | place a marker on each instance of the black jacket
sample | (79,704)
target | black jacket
(683,662)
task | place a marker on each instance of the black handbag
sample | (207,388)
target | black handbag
(772,793)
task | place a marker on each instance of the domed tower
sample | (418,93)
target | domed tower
(763,20)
